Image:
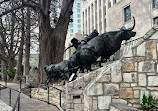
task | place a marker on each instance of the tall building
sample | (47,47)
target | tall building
(110,15)
(75,25)
(74,30)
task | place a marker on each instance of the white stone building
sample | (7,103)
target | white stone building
(110,15)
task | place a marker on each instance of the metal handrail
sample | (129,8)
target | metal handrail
(132,40)
(17,102)
(10,88)
(127,45)
(18,98)
(52,87)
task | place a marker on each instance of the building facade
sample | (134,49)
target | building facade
(74,29)
(110,15)
(75,24)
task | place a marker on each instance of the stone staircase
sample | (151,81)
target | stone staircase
(122,82)
(119,85)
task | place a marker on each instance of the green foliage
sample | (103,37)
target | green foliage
(0,76)
(15,62)
(11,72)
(149,103)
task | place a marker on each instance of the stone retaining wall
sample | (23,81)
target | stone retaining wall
(32,78)
(124,81)
(41,94)
(74,90)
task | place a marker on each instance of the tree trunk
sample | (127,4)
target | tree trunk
(20,57)
(11,55)
(3,70)
(10,67)
(27,48)
(52,41)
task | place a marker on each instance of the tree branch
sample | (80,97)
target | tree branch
(8,11)
(34,7)
(4,1)
(23,4)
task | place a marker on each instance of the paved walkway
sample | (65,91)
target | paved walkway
(4,106)
(26,103)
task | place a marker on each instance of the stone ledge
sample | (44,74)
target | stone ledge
(121,107)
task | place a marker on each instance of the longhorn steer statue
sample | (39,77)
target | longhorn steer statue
(64,69)
(59,71)
(86,54)
(103,46)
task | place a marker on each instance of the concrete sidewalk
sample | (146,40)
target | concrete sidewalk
(4,106)
(26,103)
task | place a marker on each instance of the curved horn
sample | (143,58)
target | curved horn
(130,29)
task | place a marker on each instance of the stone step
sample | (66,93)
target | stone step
(121,107)
(4,106)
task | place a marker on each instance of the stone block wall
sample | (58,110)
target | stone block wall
(74,90)
(32,78)
(41,94)
(124,81)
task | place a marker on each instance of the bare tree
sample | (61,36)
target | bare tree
(10,39)
(51,39)
(20,56)
(27,44)
(9,44)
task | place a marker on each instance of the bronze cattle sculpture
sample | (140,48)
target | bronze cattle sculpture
(88,52)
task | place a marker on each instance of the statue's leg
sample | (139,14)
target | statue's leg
(45,86)
(89,68)
(101,62)
(81,69)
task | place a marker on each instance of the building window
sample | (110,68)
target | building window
(78,11)
(114,1)
(79,20)
(155,3)
(105,9)
(69,50)
(71,30)
(83,23)
(79,31)
(71,25)
(109,4)
(79,26)
(156,21)
(78,15)
(127,13)
(78,5)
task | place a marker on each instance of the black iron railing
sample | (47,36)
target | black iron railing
(17,103)
(125,47)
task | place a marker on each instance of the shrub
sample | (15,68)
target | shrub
(149,103)
(11,72)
